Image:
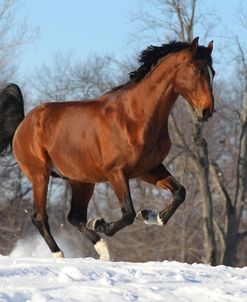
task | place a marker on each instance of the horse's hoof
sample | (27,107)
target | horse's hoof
(140,216)
(58,254)
(146,216)
(97,224)
(102,249)
(149,217)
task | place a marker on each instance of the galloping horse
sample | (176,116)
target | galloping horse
(121,135)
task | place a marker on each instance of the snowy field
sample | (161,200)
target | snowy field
(38,280)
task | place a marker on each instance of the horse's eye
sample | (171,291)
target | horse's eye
(197,72)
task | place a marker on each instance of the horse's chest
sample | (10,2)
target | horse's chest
(147,158)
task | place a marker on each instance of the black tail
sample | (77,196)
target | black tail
(11,115)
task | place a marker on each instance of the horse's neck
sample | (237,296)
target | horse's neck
(154,97)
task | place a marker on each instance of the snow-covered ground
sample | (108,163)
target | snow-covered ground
(38,280)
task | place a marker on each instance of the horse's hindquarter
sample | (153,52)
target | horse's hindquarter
(56,134)
(27,143)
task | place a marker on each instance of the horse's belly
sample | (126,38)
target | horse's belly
(82,171)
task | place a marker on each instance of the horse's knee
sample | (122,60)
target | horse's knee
(180,194)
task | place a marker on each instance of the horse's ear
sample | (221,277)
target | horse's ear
(194,46)
(211,46)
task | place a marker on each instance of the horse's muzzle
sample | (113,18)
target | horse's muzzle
(206,116)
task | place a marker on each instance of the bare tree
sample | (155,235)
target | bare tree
(173,19)
(13,35)
(235,204)
(67,79)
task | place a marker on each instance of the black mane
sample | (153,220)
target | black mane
(151,55)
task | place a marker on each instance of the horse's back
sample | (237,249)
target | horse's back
(45,120)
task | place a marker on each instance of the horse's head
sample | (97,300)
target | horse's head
(194,80)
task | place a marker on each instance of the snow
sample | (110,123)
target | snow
(88,279)
(30,274)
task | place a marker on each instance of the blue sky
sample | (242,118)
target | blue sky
(83,27)
(77,27)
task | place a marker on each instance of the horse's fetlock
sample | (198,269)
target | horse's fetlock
(108,229)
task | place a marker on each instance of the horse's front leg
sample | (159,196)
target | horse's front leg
(162,178)
(120,185)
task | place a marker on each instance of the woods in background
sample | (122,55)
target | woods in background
(208,159)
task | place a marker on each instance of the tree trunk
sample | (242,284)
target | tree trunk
(232,240)
(202,168)
(207,216)
(234,211)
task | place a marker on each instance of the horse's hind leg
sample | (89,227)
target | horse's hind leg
(40,218)
(81,195)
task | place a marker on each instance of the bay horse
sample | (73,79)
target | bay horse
(123,134)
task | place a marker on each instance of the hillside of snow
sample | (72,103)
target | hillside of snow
(87,279)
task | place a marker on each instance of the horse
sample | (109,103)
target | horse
(119,136)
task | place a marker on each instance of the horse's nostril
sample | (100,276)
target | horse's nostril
(206,114)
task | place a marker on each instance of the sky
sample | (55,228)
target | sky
(83,27)
(76,27)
